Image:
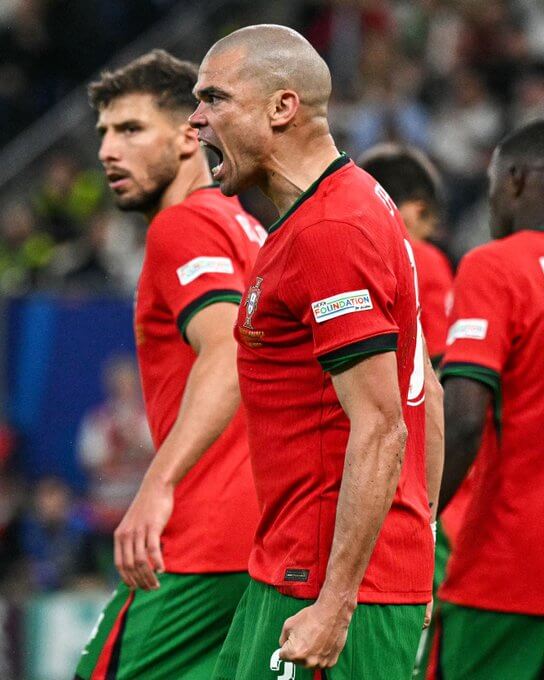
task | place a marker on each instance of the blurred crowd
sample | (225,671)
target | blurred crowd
(450,76)
(47,47)
(52,539)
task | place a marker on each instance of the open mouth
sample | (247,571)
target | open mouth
(216,169)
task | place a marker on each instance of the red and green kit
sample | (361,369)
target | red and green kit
(333,283)
(497,337)
(197,253)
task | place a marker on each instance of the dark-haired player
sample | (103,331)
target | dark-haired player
(493,372)
(414,184)
(332,374)
(183,545)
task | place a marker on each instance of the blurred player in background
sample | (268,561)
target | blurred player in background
(183,545)
(492,617)
(414,184)
(330,371)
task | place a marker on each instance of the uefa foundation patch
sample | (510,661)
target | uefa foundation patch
(470,329)
(344,303)
(204,265)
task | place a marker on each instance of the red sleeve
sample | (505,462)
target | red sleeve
(336,282)
(435,290)
(194,263)
(480,332)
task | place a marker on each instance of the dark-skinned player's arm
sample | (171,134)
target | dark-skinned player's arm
(369,394)
(479,341)
(434,447)
(210,400)
(466,402)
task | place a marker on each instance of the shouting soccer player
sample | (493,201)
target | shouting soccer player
(493,614)
(183,545)
(331,369)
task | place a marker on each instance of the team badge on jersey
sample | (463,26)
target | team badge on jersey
(252,300)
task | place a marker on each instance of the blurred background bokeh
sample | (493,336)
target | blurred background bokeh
(450,76)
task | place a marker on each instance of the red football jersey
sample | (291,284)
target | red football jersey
(435,279)
(197,253)
(496,337)
(333,282)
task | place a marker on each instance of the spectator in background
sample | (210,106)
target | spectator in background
(25,251)
(114,445)
(528,103)
(462,138)
(67,196)
(106,258)
(56,538)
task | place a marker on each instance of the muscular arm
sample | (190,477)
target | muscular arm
(209,402)
(465,405)
(369,395)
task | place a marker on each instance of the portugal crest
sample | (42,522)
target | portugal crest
(252,300)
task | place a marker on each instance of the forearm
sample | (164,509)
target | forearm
(209,402)
(461,449)
(371,472)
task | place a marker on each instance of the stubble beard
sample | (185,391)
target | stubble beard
(148,200)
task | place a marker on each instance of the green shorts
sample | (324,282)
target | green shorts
(381,645)
(174,632)
(475,644)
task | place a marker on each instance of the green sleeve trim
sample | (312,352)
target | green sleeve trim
(482,374)
(435,361)
(345,357)
(209,298)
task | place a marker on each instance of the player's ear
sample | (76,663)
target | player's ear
(517,174)
(283,106)
(186,140)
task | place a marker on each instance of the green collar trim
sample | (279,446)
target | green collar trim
(337,163)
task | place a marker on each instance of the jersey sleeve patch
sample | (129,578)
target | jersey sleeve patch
(209,298)
(204,265)
(342,358)
(343,303)
(469,329)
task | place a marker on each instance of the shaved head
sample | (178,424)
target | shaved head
(263,93)
(279,58)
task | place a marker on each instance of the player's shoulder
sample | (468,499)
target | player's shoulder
(497,253)
(206,210)
(212,202)
(351,198)
(430,256)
